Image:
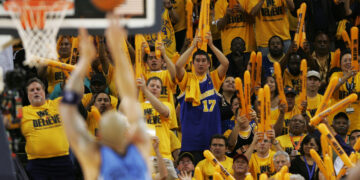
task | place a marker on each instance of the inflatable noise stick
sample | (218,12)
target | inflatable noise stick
(210,157)
(253,66)
(335,62)
(353,158)
(249,177)
(247,93)
(157,50)
(355,48)
(147,48)
(279,82)
(334,108)
(318,161)
(189,12)
(198,175)
(232,3)
(261,126)
(335,145)
(217,176)
(328,93)
(287,176)
(280,175)
(357,145)
(303,69)
(55,64)
(263,176)
(329,167)
(258,68)
(324,145)
(240,95)
(298,34)
(267,108)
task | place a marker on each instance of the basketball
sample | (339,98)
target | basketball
(106,5)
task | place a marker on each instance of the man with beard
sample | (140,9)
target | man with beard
(240,167)
(218,146)
(291,75)
(237,58)
(291,142)
(276,48)
(97,85)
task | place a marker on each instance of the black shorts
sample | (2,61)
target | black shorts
(51,168)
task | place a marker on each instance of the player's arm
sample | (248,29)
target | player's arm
(125,83)
(256,9)
(161,108)
(169,64)
(83,145)
(224,62)
(180,70)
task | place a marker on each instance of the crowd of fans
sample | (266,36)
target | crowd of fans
(190,103)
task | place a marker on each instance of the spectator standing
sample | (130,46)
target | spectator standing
(237,58)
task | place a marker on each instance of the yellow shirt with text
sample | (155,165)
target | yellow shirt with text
(312,103)
(258,165)
(271,20)
(207,169)
(44,131)
(292,81)
(55,75)
(342,93)
(288,115)
(287,144)
(239,26)
(160,125)
(167,92)
(167,35)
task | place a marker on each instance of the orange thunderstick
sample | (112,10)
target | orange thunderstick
(334,108)
(346,38)
(335,61)
(189,23)
(210,157)
(258,69)
(328,93)
(355,48)
(247,93)
(253,66)
(240,95)
(157,48)
(300,25)
(303,69)
(267,108)
(261,99)
(280,84)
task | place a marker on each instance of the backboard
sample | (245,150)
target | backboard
(140,16)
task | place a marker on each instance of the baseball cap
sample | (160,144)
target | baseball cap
(313,73)
(237,156)
(186,154)
(98,78)
(289,90)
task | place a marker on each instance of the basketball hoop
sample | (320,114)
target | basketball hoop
(38,22)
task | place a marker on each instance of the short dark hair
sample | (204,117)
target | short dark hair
(276,36)
(306,140)
(35,79)
(154,78)
(201,52)
(103,92)
(146,56)
(341,115)
(219,136)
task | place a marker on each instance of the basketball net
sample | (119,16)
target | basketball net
(38,22)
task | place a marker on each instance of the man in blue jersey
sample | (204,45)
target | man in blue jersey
(123,147)
(200,101)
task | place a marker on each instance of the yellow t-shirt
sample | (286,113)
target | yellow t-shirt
(312,103)
(271,20)
(288,115)
(207,169)
(179,8)
(160,124)
(167,92)
(55,75)
(87,98)
(239,26)
(258,165)
(167,35)
(174,142)
(342,93)
(43,131)
(292,81)
(287,144)
(92,120)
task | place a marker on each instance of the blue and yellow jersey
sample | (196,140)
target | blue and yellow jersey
(199,123)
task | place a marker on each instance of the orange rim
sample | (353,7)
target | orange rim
(44,5)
